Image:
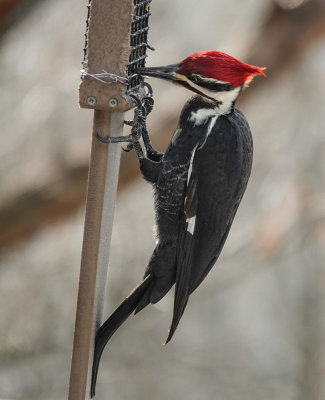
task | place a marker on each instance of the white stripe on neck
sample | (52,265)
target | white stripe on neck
(226,98)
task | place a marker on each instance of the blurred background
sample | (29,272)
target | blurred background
(255,329)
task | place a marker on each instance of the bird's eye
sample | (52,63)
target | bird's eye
(195,78)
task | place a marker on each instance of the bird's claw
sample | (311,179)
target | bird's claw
(128,122)
(128,148)
(115,139)
(138,126)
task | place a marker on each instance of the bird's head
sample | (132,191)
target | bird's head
(211,74)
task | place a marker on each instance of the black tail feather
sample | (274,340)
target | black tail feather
(145,299)
(178,313)
(111,325)
(183,272)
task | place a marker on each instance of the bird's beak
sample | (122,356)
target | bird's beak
(167,72)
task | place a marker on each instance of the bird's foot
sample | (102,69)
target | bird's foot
(138,128)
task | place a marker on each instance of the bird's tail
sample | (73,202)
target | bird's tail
(111,325)
(183,275)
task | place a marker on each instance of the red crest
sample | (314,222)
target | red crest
(220,66)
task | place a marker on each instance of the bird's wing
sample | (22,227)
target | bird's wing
(217,181)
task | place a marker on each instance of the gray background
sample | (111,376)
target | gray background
(255,329)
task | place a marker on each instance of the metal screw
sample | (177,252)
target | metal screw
(113,102)
(91,100)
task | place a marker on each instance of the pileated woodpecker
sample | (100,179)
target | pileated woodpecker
(198,184)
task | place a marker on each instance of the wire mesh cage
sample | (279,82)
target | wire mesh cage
(138,42)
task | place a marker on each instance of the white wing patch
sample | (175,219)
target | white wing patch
(211,124)
(210,127)
(191,164)
(200,116)
(191,224)
(197,115)
(190,221)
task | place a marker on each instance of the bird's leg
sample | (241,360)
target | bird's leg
(129,147)
(134,137)
(149,167)
(147,107)
(138,130)
(148,103)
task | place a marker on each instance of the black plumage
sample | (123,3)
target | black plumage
(203,175)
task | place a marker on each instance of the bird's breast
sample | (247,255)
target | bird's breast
(171,185)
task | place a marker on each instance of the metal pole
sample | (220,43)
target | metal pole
(102,186)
